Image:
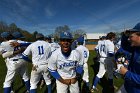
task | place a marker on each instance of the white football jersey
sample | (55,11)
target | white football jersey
(2,49)
(40,51)
(105,47)
(17,48)
(84,52)
(7,48)
(6,45)
(66,66)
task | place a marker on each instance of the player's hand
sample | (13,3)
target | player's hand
(14,44)
(18,51)
(65,81)
(73,80)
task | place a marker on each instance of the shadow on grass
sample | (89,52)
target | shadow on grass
(20,87)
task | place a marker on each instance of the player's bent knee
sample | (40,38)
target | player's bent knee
(6,84)
(100,75)
(25,78)
(48,82)
(33,87)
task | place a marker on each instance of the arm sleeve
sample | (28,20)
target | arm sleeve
(26,53)
(2,50)
(52,64)
(133,77)
(26,58)
(7,54)
(55,74)
(79,68)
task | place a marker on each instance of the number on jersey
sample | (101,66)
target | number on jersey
(40,50)
(85,54)
(102,48)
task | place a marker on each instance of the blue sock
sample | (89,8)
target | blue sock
(49,88)
(110,82)
(96,81)
(7,90)
(27,84)
(33,91)
(87,84)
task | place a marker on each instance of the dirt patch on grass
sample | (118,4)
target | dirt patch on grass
(90,47)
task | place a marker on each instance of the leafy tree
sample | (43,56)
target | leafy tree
(34,33)
(28,36)
(13,27)
(3,26)
(78,33)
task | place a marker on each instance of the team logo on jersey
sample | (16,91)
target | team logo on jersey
(73,63)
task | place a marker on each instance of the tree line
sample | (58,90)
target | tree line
(31,36)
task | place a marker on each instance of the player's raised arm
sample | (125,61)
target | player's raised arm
(80,63)
(16,44)
(26,53)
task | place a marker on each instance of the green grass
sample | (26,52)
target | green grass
(117,82)
(19,87)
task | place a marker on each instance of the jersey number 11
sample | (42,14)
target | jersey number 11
(40,50)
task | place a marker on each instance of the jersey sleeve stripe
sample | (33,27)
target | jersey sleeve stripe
(51,70)
(24,54)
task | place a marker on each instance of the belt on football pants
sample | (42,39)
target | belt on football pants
(15,59)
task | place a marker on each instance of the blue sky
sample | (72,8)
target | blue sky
(92,16)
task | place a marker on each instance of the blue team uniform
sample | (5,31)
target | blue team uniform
(132,76)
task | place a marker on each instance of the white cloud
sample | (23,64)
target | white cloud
(22,6)
(49,12)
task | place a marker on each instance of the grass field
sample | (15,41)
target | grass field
(19,87)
